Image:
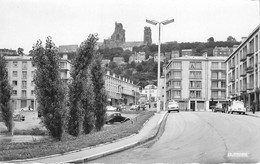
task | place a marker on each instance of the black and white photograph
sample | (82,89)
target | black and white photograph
(130,81)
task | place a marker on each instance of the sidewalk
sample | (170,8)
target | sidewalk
(257,114)
(148,132)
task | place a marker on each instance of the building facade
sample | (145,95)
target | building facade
(222,51)
(242,71)
(20,76)
(196,82)
(137,57)
(120,90)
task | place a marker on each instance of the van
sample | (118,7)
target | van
(173,106)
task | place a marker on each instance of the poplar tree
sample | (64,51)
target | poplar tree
(5,96)
(49,88)
(100,97)
(81,114)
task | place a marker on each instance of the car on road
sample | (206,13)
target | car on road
(134,107)
(173,106)
(111,108)
(113,117)
(237,106)
(218,108)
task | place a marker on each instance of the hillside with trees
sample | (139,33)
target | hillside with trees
(146,72)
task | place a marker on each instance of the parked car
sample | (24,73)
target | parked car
(115,117)
(237,106)
(173,106)
(111,108)
(134,107)
(218,108)
(27,109)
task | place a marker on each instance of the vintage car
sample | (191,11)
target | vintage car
(218,108)
(111,108)
(173,106)
(237,106)
(113,117)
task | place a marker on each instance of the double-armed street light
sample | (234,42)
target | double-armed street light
(153,22)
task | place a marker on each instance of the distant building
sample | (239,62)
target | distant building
(137,57)
(175,54)
(20,75)
(118,39)
(194,81)
(120,90)
(68,50)
(105,62)
(186,52)
(222,51)
(151,92)
(162,57)
(8,52)
(119,60)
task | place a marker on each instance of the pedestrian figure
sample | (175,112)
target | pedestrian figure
(253,108)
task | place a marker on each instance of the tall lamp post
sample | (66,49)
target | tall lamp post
(153,22)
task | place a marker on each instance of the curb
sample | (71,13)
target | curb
(97,155)
(125,147)
(252,115)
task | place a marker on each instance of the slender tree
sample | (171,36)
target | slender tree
(81,89)
(50,90)
(100,98)
(5,95)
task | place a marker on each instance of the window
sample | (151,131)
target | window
(24,65)
(195,65)
(62,65)
(176,74)
(23,93)
(32,92)
(195,94)
(24,74)
(214,65)
(214,75)
(195,84)
(24,84)
(177,65)
(14,92)
(15,64)
(214,94)
(223,94)
(15,73)
(195,74)
(176,84)
(14,83)
(214,84)
(176,94)
(223,84)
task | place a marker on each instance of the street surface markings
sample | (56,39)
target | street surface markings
(238,155)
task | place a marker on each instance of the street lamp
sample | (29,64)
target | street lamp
(153,22)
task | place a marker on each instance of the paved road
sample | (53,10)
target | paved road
(199,137)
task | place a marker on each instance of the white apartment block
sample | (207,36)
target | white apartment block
(194,80)
(20,75)
(162,57)
(242,70)
(120,90)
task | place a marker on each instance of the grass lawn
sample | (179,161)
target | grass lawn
(13,151)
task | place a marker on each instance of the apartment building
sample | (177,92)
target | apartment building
(242,70)
(196,82)
(20,75)
(121,90)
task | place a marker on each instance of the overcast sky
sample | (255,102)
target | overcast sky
(23,22)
